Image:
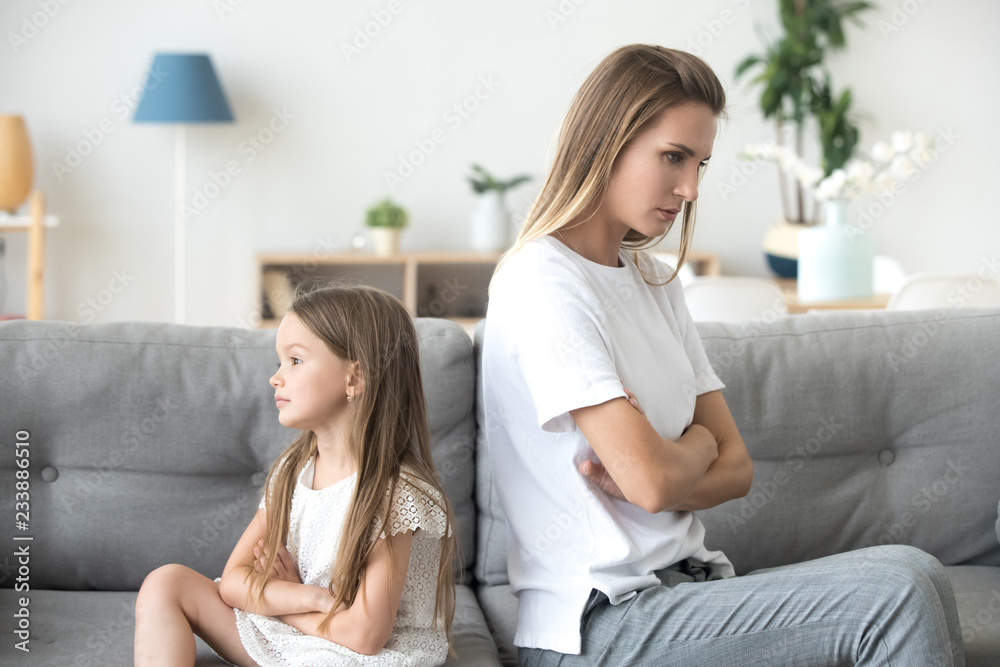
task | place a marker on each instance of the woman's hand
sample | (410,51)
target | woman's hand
(283,568)
(597,473)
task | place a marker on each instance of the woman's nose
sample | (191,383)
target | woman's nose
(687,187)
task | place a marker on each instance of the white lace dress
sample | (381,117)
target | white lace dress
(315,525)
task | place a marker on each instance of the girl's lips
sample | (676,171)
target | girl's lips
(280,401)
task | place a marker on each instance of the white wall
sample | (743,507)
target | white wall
(352,120)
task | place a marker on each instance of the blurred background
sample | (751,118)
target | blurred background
(331,100)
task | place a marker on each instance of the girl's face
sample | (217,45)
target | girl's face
(658,171)
(312,383)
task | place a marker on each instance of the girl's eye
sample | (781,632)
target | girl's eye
(296,360)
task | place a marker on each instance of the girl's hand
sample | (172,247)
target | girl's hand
(283,568)
(597,473)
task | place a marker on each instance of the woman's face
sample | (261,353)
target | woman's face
(658,171)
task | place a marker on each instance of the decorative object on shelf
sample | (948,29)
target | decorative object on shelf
(181,88)
(491,225)
(17,168)
(796,88)
(278,292)
(891,164)
(359,242)
(836,260)
(386,220)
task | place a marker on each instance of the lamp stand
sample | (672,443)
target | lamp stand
(179,242)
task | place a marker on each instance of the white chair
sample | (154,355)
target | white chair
(887,275)
(686,274)
(945,290)
(734,299)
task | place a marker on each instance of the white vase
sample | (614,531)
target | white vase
(385,240)
(835,259)
(490,223)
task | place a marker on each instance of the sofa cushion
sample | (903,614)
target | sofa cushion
(491,545)
(93,629)
(977,594)
(864,429)
(499,606)
(149,442)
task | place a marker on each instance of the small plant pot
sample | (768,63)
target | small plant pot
(385,240)
(490,223)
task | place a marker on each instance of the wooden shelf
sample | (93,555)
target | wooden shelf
(34,223)
(451,285)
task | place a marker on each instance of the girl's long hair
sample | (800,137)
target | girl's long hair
(623,96)
(388,430)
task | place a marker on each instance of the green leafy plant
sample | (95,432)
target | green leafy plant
(483,181)
(386,213)
(796,86)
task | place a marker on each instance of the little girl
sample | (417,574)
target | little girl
(349,558)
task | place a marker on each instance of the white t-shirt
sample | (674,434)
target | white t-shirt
(563,332)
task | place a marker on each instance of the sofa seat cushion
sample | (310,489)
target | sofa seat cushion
(977,594)
(93,628)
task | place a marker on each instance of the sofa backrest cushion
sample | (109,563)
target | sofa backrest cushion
(149,442)
(865,428)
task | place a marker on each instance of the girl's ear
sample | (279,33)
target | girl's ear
(354,377)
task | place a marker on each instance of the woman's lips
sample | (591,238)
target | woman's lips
(668,214)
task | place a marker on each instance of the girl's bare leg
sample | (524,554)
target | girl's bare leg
(174,604)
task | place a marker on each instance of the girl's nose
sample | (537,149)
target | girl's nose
(274,380)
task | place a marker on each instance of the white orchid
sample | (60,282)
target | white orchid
(891,162)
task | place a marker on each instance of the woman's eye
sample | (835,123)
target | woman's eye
(675,158)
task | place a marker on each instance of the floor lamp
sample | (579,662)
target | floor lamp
(181,88)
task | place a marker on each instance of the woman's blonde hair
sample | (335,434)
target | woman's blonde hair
(388,430)
(624,95)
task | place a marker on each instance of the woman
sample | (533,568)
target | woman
(604,553)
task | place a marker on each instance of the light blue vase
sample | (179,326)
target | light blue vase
(836,259)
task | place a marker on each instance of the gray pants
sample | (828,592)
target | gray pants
(887,605)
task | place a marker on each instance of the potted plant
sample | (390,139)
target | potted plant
(491,219)
(796,88)
(386,219)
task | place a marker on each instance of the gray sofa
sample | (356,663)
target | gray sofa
(148,444)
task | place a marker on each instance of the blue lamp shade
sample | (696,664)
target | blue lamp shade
(182,88)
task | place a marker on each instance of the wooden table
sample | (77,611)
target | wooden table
(789,287)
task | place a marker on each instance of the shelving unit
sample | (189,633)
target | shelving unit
(451,285)
(34,223)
